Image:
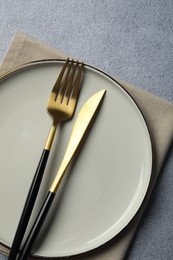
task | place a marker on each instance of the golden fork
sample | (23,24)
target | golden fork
(61,106)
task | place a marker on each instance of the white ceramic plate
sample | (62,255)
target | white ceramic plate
(107,183)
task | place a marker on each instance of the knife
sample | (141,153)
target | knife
(81,124)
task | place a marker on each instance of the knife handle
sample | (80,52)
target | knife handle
(36,226)
(29,204)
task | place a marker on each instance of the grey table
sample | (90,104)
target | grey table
(132,39)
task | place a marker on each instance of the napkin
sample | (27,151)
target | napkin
(158,114)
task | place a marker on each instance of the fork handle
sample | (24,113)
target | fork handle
(29,204)
(37,226)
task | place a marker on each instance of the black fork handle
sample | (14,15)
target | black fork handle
(29,204)
(37,226)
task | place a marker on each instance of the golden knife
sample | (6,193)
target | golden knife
(79,129)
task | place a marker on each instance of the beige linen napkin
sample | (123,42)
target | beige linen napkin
(157,112)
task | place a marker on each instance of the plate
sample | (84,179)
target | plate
(102,189)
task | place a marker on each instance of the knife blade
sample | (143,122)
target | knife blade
(81,124)
(80,127)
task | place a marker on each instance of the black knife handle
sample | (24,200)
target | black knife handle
(29,204)
(36,226)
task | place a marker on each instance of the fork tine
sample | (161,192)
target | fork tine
(71,82)
(67,78)
(57,85)
(77,84)
(64,85)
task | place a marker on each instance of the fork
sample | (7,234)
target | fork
(61,107)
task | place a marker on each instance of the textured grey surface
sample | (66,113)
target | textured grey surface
(132,39)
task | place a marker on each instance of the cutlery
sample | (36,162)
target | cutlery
(61,106)
(78,132)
